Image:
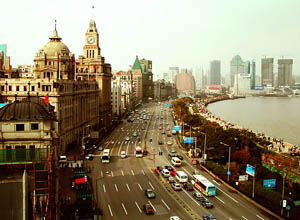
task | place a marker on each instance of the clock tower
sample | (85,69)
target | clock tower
(91,49)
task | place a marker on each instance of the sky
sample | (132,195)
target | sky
(184,33)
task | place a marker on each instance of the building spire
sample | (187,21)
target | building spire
(55,36)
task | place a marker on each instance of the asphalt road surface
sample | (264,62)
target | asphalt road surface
(119,186)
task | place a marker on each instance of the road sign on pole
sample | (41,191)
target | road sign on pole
(188,140)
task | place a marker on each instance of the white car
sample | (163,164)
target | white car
(174,218)
(123,154)
(127,138)
(169,143)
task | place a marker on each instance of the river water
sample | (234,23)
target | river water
(277,117)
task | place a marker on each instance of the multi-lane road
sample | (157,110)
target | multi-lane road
(119,186)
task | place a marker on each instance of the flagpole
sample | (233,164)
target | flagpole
(58,68)
(75,71)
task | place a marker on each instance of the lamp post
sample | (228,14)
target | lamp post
(228,169)
(204,150)
(282,195)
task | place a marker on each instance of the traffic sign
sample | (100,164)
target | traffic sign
(284,203)
(188,140)
(250,170)
(270,183)
(177,128)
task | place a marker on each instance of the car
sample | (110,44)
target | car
(89,157)
(127,138)
(165,173)
(179,157)
(195,162)
(149,193)
(176,186)
(198,196)
(173,151)
(100,148)
(160,128)
(168,167)
(196,172)
(174,218)
(173,171)
(159,168)
(208,217)
(167,123)
(123,154)
(148,209)
(188,186)
(170,155)
(169,143)
(171,179)
(207,204)
(163,132)
(169,135)
(160,142)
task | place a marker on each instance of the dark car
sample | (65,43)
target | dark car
(160,142)
(168,167)
(188,186)
(179,157)
(208,217)
(207,204)
(159,168)
(169,135)
(150,194)
(148,209)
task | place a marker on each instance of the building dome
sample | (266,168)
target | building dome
(24,110)
(55,46)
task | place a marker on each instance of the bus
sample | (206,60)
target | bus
(202,184)
(138,152)
(181,177)
(106,156)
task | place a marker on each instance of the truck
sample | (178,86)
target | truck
(138,152)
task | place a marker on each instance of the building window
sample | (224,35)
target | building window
(2,88)
(20,127)
(17,88)
(25,88)
(46,88)
(34,126)
(32,88)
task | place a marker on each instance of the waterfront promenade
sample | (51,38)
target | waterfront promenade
(278,145)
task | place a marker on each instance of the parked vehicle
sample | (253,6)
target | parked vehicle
(148,209)
(176,186)
(188,186)
(150,194)
(165,173)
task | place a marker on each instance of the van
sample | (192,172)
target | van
(165,173)
(123,154)
(176,161)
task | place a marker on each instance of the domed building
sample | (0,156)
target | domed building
(54,60)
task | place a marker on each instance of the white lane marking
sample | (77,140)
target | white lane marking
(111,214)
(112,174)
(140,187)
(152,206)
(124,209)
(227,195)
(104,189)
(116,188)
(101,174)
(143,172)
(138,207)
(119,152)
(151,185)
(219,199)
(127,187)
(259,217)
(191,198)
(132,172)
(187,172)
(122,172)
(127,147)
(216,182)
(165,204)
(244,217)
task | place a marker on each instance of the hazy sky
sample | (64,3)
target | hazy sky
(186,33)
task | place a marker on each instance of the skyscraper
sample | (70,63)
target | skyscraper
(285,72)
(267,74)
(237,66)
(252,75)
(173,71)
(215,72)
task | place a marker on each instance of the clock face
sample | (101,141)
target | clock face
(90,39)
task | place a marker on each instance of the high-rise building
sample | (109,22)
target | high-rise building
(237,66)
(215,72)
(247,67)
(166,77)
(199,78)
(173,71)
(252,75)
(285,72)
(267,72)
(185,82)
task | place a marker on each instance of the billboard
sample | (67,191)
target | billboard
(188,140)
(250,170)
(3,48)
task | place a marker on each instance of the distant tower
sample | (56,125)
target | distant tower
(252,75)
(215,72)
(267,74)
(285,72)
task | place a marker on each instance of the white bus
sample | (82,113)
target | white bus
(181,176)
(106,156)
(138,152)
(202,184)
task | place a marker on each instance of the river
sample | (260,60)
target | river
(274,116)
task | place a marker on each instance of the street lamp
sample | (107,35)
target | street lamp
(228,170)
(204,150)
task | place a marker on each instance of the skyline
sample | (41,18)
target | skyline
(166,32)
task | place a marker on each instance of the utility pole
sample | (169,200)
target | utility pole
(282,195)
